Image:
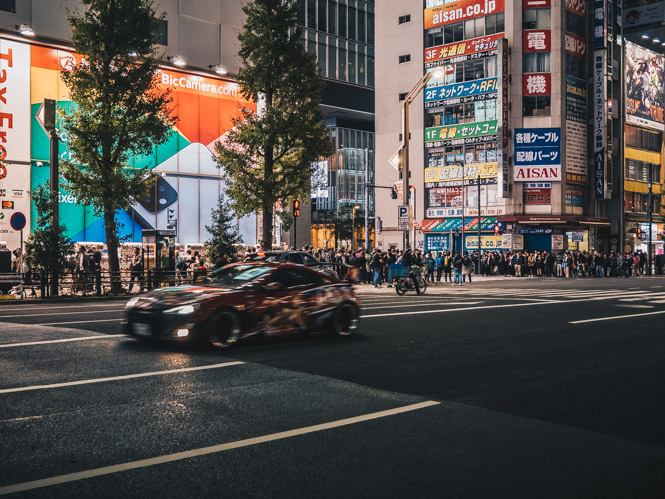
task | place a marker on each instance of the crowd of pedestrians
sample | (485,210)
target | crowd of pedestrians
(456,268)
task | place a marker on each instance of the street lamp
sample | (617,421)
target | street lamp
(410,97)
(353,229)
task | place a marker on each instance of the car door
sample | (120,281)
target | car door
(284,309)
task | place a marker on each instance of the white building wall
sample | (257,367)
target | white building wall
(393,79)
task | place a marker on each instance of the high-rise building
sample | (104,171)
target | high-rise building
(341,35)
(512,133)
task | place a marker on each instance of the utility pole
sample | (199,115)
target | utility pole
(367,200)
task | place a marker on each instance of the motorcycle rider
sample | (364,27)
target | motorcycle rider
(409,261)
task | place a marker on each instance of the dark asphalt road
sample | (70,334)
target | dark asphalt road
(527,400)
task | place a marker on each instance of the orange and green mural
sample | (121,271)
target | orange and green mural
(190,182)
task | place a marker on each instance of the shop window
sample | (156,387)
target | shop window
(8,5)
(575,24)
(332,18)
(536,106)
(536,19)
(434,38)
(536,62)
(163,32)
(322,15)
(576,67)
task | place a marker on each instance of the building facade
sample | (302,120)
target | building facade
(515,130)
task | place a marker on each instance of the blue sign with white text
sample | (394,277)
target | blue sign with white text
(537,146)
(468,88)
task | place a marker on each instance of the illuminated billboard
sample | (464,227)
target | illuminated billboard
(189,182)
(645,99)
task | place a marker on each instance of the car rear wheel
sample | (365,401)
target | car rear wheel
(224,329)
(345,320)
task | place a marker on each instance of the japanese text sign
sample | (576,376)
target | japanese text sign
(536,41)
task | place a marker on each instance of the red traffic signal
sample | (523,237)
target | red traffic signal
(8,205)
(497,230)
(639,233)
(296,208)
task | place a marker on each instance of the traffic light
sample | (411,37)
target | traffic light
(296,208)
(639,233)
(393,194)
(379,224)
(498,228)
(8,205)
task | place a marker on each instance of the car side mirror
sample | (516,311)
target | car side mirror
(271,287)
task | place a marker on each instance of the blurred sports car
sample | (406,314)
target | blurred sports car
(246,299)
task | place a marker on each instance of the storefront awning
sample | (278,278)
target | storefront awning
(448,224)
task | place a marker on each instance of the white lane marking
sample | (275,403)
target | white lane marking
(71,322)
(58,313)
(659,302)
(117,378)
(617,317)
(203,451)
(632,305)
(450,303)
(46,306)
(66,340)
(461,309)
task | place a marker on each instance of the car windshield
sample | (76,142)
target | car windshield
(236,275)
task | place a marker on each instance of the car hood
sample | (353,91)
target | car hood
(180,295)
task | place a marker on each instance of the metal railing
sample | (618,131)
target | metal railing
(98,283)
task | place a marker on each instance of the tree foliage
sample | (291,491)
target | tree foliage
(120,109)
(47,248)
(268,155)
(223,232)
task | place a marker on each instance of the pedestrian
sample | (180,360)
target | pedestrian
(466,267)
(377,267)
(439,266)
(430,264)
(457,267)
(447,267)
(136,270)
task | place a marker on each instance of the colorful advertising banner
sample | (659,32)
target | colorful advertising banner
(576,99)
(454,175)
(14,138)
(536,41)
(577,7)
(534,84)
(437,242)
(470,224)
(638,12)
(645,94)
(576,126)
(189,184)
(461,132)
(599,122)
(462,51)
(461,10)
(575,45)
(537,154)
(468,89)
(486,242)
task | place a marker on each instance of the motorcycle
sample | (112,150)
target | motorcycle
(405,278)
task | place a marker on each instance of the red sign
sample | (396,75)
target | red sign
(536,41)
(467,47)
(577,7)
(532,4)
(428,225)
(537,84)
(575,45)
(461,10)
(504,93)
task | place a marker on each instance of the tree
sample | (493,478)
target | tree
(120,109)
(224,233)
(48,247)
(268,155)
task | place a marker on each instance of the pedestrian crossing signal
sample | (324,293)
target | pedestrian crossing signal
(296,208)
(393,194)
(639,233)
(497,230)
(8,205)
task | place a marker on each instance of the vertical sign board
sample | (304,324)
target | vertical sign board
(14,133)
(537,155)
(599,100)
(403,218)
(504,132)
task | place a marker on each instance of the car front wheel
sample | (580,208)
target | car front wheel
(224,329)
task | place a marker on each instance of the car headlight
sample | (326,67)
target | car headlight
(183,309)
(132,302)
